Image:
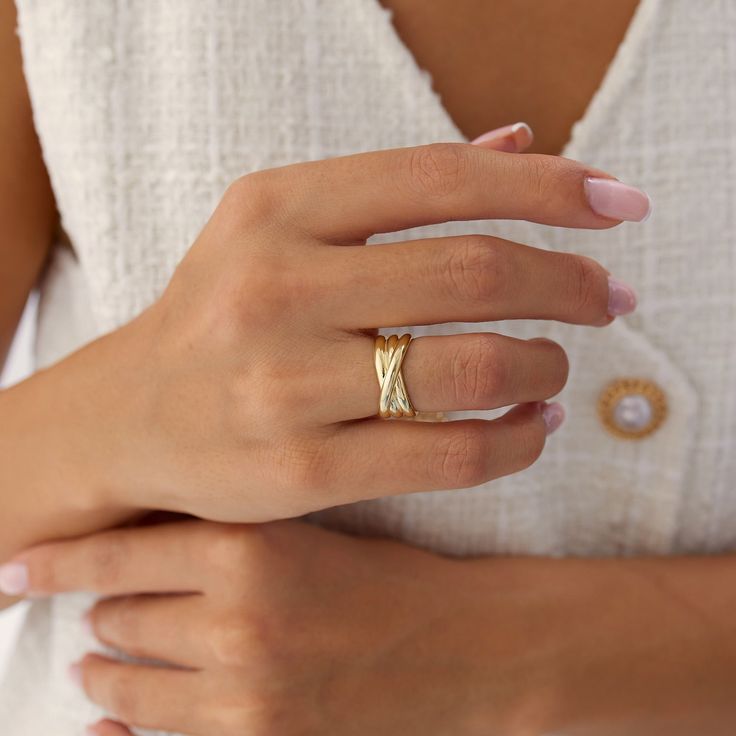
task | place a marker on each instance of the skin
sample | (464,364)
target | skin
(286,278)
(555,53)
(286,628)
(591,646)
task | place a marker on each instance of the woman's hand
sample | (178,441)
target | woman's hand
(286,628)
(248,391)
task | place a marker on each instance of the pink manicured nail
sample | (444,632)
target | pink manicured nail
(13,578)
(510,138)
(621,297)
(613,198)
(553,415)
(87,623)
(75,674)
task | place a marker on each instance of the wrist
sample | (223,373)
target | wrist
(518,641)
(82,412)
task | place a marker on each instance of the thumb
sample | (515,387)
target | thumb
(511,138)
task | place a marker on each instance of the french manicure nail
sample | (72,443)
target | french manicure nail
(511,138)
(613,198)
(13,578)
(621,297)
(87,623)
(553,415)
(75,674)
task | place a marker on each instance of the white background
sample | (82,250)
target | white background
(17,367)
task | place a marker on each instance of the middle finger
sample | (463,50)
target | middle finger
(465,278)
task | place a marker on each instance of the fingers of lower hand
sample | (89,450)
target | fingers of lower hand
(107,727)
(115,562)
(143,696)
(141,626)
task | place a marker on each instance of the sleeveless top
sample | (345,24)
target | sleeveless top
(146,111)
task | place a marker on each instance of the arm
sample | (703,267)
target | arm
(337,634)
(630,647)
(27,208)
(40,497)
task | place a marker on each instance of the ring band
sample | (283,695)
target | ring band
(389,354)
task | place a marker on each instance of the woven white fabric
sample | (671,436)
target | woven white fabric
(147,109)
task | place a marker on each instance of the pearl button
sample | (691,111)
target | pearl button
(632,408)
(632,412)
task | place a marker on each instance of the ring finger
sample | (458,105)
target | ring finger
(472,371)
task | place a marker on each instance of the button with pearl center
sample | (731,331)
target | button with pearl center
(632,408)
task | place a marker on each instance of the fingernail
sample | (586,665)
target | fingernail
(13,578)
(87,623)
(621,297)
(553,415)
(75,674)
(511,138)
(613,198)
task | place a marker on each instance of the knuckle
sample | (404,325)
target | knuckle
(479,370)
(477,270)
(258,295)
(118,620)
(459,459)
(253,197)
(108,555)
(545,177)
(238,640)
(282,395)
(233,548)
(121,697)
(306,466)
(437,169)
(253,713)
(588,295)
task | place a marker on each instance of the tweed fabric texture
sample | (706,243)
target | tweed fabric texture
(148,109)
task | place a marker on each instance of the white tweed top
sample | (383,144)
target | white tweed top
(147,109)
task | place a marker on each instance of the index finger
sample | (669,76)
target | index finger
(152,559)
(350,198)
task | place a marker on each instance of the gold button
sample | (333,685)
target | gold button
(632,408)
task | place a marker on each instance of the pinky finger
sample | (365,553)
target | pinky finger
(142,696)
(108,728)
(386,458)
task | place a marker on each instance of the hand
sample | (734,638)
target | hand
(286,628)
(247,392)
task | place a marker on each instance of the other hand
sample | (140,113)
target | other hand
(288,629)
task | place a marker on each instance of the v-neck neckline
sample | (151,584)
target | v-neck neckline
(622,67)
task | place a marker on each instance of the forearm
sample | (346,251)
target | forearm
(626,646)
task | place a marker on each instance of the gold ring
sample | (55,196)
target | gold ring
(389,354)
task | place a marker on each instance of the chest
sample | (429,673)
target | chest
(494,63)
